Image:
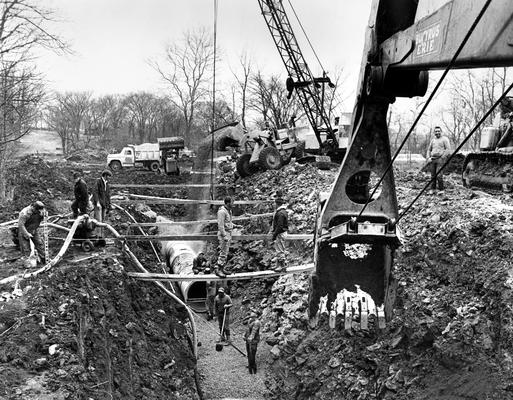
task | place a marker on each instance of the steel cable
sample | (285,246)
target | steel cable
(430,98)
(481,121)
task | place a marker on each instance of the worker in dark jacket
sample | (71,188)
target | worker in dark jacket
(279,232)
(79,205)
(222,305)
(252,337)
(209,301)
(101,197)
(28,223)
(201,264)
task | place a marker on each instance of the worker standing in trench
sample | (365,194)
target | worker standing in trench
(222,305)
(252,337)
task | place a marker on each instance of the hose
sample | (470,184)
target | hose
(160,285)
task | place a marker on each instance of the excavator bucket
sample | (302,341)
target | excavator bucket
(353,282)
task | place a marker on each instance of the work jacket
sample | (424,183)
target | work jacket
(224,221)
(280,221)
(253,332)
(29,220)
(220,302)
(81,194)
(102,193)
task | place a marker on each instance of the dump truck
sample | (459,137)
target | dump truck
(146,155)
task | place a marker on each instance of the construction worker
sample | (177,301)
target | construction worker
(28,222)
(438,151)
(252,337)
(209,302)
(79,205)
(201,264)
(101,197)
(222,305)
(279,230)
(224,235)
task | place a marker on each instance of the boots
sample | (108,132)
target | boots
(219,272)
(228,337)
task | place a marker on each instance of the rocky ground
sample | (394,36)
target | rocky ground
(451,336)
(105,336)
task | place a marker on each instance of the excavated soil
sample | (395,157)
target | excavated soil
(450,338)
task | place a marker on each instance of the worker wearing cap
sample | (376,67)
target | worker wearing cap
(252,337)
(438,151)
(79,205)
(101,197)
(222,305)
(210,299)
(28,222)
(279,230)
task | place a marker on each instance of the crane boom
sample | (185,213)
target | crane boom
(300,76)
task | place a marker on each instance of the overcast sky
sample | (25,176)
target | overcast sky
(114,39)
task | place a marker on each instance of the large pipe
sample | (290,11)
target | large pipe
(179,259)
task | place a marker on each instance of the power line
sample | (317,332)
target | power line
(213,104)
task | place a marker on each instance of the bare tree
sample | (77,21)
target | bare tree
(66,114)
(268,97)
(472,94)
(242,84)
(186,69)
(24,27)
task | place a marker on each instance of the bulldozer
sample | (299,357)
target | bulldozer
(265,150)
(492,165)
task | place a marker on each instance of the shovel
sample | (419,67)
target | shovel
(219,346)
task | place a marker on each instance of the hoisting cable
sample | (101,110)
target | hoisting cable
(306,36)
(481,121)
(213,104)
(431,96)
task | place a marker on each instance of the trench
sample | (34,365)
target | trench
(222,374)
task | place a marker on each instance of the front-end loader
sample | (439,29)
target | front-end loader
(265,150)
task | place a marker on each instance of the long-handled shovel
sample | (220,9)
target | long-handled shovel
(219,345)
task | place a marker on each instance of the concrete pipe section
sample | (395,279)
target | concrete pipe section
(179,258)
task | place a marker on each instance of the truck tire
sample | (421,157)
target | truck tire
(154,166)
(243,167)
(270,158)
(115,165)
(299,151)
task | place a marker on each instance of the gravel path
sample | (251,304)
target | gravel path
(224,374)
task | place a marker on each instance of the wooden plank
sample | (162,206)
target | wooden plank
(193,237)
(164,186)
(212,277)
(189,201)
(200,222)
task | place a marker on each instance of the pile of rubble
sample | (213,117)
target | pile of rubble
(452,332)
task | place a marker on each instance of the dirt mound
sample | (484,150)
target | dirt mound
(452,331)
(89,332)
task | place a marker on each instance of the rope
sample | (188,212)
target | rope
(481,121)
(306,36)
(431,96)
(213,103)
(45,234)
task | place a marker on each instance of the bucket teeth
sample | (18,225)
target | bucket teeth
(346,307)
